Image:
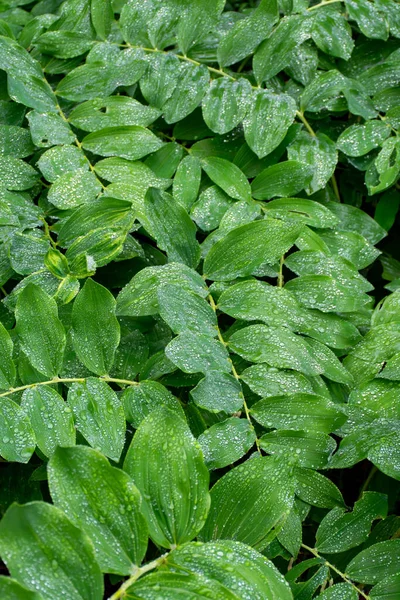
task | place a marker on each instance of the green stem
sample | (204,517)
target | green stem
(306,124)
(336,570)
(66,380)
(371,475)
(139,571)
(280,276)
(235,374)
(321,4)
(47,233)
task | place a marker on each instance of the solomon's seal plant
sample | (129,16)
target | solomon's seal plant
(200,316)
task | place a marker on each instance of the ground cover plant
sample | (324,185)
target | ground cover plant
(200,316)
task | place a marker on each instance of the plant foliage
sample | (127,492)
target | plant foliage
(199,386)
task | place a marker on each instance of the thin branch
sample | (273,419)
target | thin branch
(66,380)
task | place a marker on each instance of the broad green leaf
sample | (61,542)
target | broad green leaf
(267,121)
(324,92)
(339,591)
(246,248)
(49,129)
(276,346)
(249,501)
(114,111)
(318,152)
(130,356)
(95,328)
(316,489)
(352,246)
(102,15)
(103,502)
(358,140)
(167,466)
(139,296)
(95,249)
(210,208)
(339,531)
(160,79)
(73,189)
(165,161)
(290,535)
(326,294)
(17,438)
(131,142)
(241,40)
(283,179)
(187,181)
(10,589)
(331,366)
(177,586)
(50,417)
(192,82)
(40,332)
(17,174)
(307,211)
(27,253)
(63,44)
(57,161)
(218,392)
(370,21)
(186,311)
(332,34)
(141,399)
(387,589)
(228,177)
(234,565)
(226,103)
(312,449)
(196,21)
(33,540)
(7,366)
(274,53)
(198,353)
(226,442)
(301,412)
(99,416)
(269,381)
(375,563)
(172,227)
(15,141)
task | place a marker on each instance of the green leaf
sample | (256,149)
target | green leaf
(210,208)
(40,332)
(198,353)
(10,589)
(103,502)
(196,21)
(276,346)
(312,449)
(246,248)
(102,15)
(316,489)
(352,246)
(331,366)
(353,219)
(283,179)
(7,366)
(318,152)
(273,54)
(226,103)
(387,589)
(249,501)
(17,438)
(74,189)
(235,566)
(218,392)
(269,381)
(267,121)
(57,161)
(50,417)
(358,140)
(186,311)
(33,540)
(139,296)
(187,181)
(131,142)
(99,416)
(141,399)
(375,563)
(226,442)
(326,294)
(290,535)
(171,225)
(95,328)
(192,82)
(300,411)
(15,141)
(228,177)
(339,531)
(114,111)
(332,34)
(175,586)
(370,21)
(339,591)
(63,44)
(17,174)
(307,211)
(242,39)
(167,466)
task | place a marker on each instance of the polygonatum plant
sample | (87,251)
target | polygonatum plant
(200,315)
